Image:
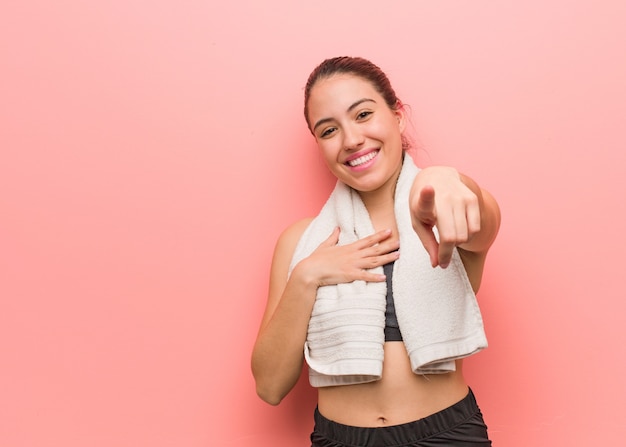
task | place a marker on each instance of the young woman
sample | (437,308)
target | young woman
(377,292)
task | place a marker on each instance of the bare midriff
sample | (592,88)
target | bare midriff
(400,396)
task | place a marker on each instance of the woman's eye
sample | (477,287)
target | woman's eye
(327,132)
(364,114)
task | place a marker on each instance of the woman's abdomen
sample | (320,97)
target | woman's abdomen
(399,397)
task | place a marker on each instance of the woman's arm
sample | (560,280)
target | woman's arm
(489,219)
(465,215)
(278,354)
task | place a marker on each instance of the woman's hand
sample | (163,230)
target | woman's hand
(439,198)
(334,264)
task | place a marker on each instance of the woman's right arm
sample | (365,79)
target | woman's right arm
(278,353)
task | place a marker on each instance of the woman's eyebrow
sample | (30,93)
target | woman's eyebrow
(352,107)
(358,103)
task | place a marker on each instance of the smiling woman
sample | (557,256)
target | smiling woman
(355,129)
(383,329)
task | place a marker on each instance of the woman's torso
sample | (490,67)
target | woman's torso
(400,396)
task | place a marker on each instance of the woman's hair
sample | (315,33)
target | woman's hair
(356,66)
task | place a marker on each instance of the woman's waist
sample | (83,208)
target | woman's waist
(400,396)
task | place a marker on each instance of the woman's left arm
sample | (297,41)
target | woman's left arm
(465,215)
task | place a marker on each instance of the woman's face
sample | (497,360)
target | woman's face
(358,134)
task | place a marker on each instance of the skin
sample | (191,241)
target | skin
(349,120)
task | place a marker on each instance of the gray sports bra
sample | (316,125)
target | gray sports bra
(392,329)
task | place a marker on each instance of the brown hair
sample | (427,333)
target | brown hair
(356,66)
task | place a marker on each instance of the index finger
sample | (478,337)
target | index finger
(374,239)
(425,211)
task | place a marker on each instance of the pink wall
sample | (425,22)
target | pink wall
(151,152)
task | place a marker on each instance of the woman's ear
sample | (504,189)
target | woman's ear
(400,116)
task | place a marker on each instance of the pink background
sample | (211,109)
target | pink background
(152,151)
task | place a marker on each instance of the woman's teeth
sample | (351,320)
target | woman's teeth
(363,159)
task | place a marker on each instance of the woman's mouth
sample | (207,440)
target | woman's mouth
(362,159)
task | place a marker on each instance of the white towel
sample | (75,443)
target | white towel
(437,311)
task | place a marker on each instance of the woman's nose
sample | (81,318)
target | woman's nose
(352,138)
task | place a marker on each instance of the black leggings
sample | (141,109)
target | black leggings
(459,425)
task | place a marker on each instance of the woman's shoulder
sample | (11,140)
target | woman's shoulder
(283,254)
(290,236)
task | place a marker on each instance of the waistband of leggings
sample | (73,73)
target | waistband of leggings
(439,422)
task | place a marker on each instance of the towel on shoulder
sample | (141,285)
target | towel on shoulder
(437,310)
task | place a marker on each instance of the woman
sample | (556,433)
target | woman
(376,391)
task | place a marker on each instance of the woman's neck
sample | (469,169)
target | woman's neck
(381,199)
